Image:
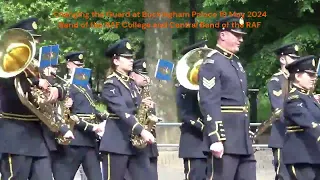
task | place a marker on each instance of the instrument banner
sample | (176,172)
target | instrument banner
(81,77)
(164,70)
(48,56)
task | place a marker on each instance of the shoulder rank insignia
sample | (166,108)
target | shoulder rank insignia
(210,61)
(293,97)
(277,93)
(209,83)
(110,81)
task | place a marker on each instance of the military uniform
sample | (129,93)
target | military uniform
(276,97)
(224,105)
(24,145)
(120,95)
(301,146)
(140,67)
(192,140)
(83,149)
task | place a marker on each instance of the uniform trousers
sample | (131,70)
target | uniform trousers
(153,169)
(19,167)
(280,169)
(115,166)
(195,168)
(235,167)
(67,160)
(209,169)
(304,171)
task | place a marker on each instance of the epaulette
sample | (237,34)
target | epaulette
(210,61)
(110,81)
(291,97)
(212,53)
(274,78)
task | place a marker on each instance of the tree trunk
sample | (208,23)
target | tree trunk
(158,45)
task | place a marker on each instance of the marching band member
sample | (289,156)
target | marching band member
(23,145)
(140,75)
(224,105)
(83,149)
(302,113)
(121,96)
(286,55)
(192,140)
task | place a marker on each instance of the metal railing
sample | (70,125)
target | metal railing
(179,124)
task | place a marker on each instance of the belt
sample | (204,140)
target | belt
(86,116)
(21,117)
(234,109)
(292,129)
(113,116)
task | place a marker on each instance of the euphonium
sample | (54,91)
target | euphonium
(187,68)
(17,51)
(145,118)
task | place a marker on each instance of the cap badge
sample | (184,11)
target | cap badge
(241,21)
(144,65)
(128,45)
(313,62)
(296,48)
(80,56)
(34,25)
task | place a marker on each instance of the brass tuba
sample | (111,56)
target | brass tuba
(187,68)
(17,51)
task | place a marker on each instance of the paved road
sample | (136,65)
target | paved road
(171,168)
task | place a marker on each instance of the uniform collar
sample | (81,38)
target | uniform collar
(301,90)
(285,73)
(124,77)
(224,52)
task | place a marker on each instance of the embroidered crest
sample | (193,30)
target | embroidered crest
(277,93)
(296,48)
(209,83)
(80,56)
(128,45)
(34,25)
(144,65)
(209,118)
(313,62)
(240,66)
(241,21)
(127,115)
(113,91)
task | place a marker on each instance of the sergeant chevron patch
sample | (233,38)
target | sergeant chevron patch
(277,93)
(209,83)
